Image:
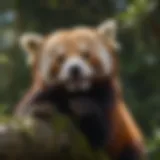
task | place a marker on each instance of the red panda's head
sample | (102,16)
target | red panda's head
(74,57)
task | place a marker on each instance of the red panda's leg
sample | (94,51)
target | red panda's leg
(34,89)
(21,106)
(130,153)
(126,141)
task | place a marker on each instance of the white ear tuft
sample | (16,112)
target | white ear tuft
(108,28)
(31,43)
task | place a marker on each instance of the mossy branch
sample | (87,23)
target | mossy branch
(27,138)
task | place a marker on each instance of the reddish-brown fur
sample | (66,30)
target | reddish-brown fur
(124,131)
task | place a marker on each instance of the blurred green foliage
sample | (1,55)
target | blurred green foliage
(139,34)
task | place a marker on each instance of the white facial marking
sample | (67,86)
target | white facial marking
(45,66)
(106,59)
(86,72)
(47,60)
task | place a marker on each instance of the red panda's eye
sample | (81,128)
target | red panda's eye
(86,54)
(60,58)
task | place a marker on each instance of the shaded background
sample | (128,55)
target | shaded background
(139,35)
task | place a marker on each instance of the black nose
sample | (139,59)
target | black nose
(75,71)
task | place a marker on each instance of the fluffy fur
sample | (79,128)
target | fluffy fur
(77,71)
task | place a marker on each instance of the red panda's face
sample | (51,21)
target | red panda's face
(75,57)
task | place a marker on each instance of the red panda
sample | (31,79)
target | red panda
(77,69)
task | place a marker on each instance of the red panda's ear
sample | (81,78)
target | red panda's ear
(108,29)
(31,44)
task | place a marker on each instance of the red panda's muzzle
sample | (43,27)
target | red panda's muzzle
(75,72)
